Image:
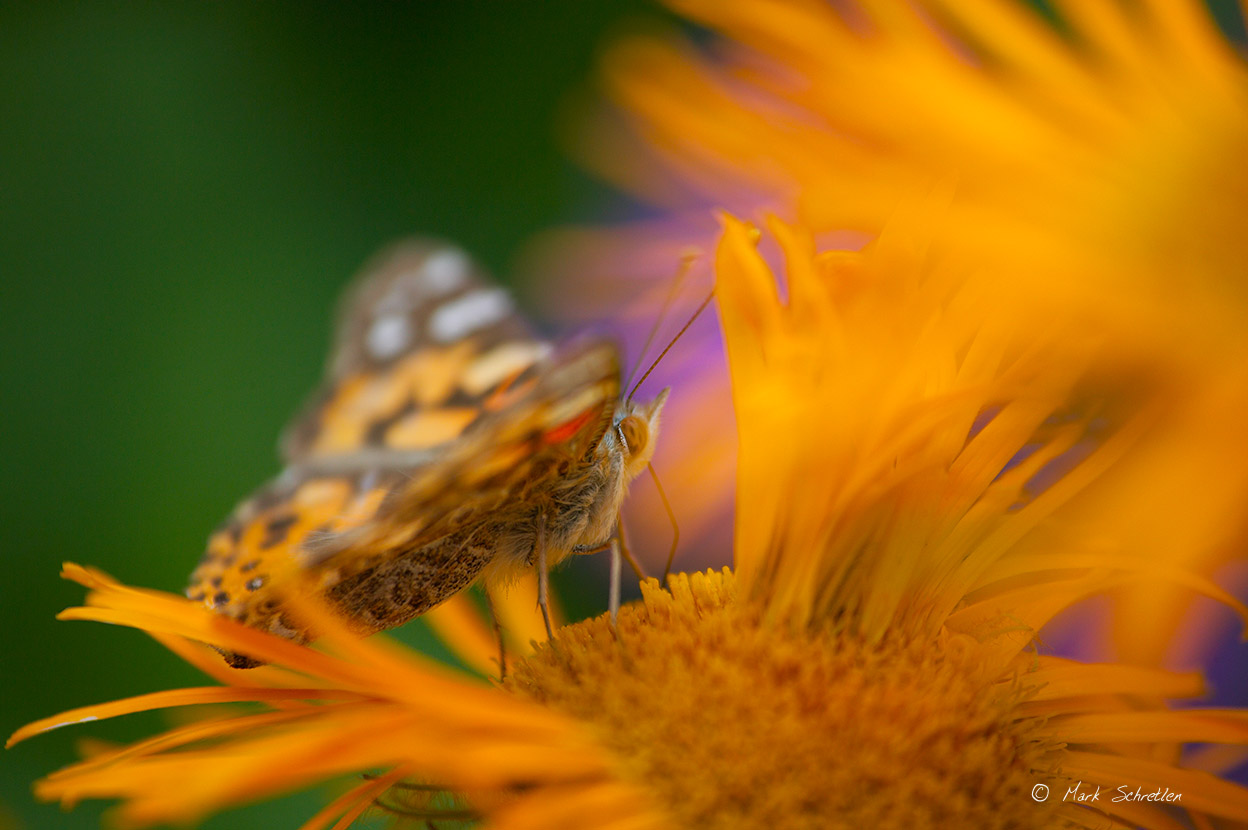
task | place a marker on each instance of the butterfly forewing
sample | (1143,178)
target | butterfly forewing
(423,338)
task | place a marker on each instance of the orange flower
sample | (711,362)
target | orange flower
(1093,168)
(360,705)
(924,465)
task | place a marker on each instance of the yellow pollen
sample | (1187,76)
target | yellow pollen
(735,724)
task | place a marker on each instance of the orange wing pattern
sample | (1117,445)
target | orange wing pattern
(423,339)
(440,409)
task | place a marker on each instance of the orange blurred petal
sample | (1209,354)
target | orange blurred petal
(166,700)
(348,806)
(458,623)
(1229,726)
(1065,678)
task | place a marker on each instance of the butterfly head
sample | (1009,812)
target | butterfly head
(637,429)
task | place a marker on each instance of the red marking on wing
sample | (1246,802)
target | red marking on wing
(570,428)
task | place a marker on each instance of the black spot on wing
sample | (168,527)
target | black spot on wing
(376,433)
(275,530)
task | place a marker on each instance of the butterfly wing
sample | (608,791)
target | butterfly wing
(474,511)
(434,382)
(423,339)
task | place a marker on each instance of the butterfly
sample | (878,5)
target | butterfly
(448,444)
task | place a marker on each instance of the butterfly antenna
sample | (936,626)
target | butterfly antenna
(668,347)
(671,515)
(686,265)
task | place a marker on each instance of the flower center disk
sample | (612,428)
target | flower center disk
(732,723)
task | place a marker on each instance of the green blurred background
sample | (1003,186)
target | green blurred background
(184,189)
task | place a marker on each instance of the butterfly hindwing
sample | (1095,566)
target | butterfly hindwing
(474,511)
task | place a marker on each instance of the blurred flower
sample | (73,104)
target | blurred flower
(1093,163)
(1107,147)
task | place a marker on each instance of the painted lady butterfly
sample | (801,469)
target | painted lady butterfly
(448,444)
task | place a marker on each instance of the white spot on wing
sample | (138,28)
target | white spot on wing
(469,313)
(388,336)
(444,271)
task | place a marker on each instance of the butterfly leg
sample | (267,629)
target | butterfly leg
(543,575)
(626,551)
(613,598)
(590,550)
(498,632)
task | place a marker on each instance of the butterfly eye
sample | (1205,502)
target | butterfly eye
(635,433)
